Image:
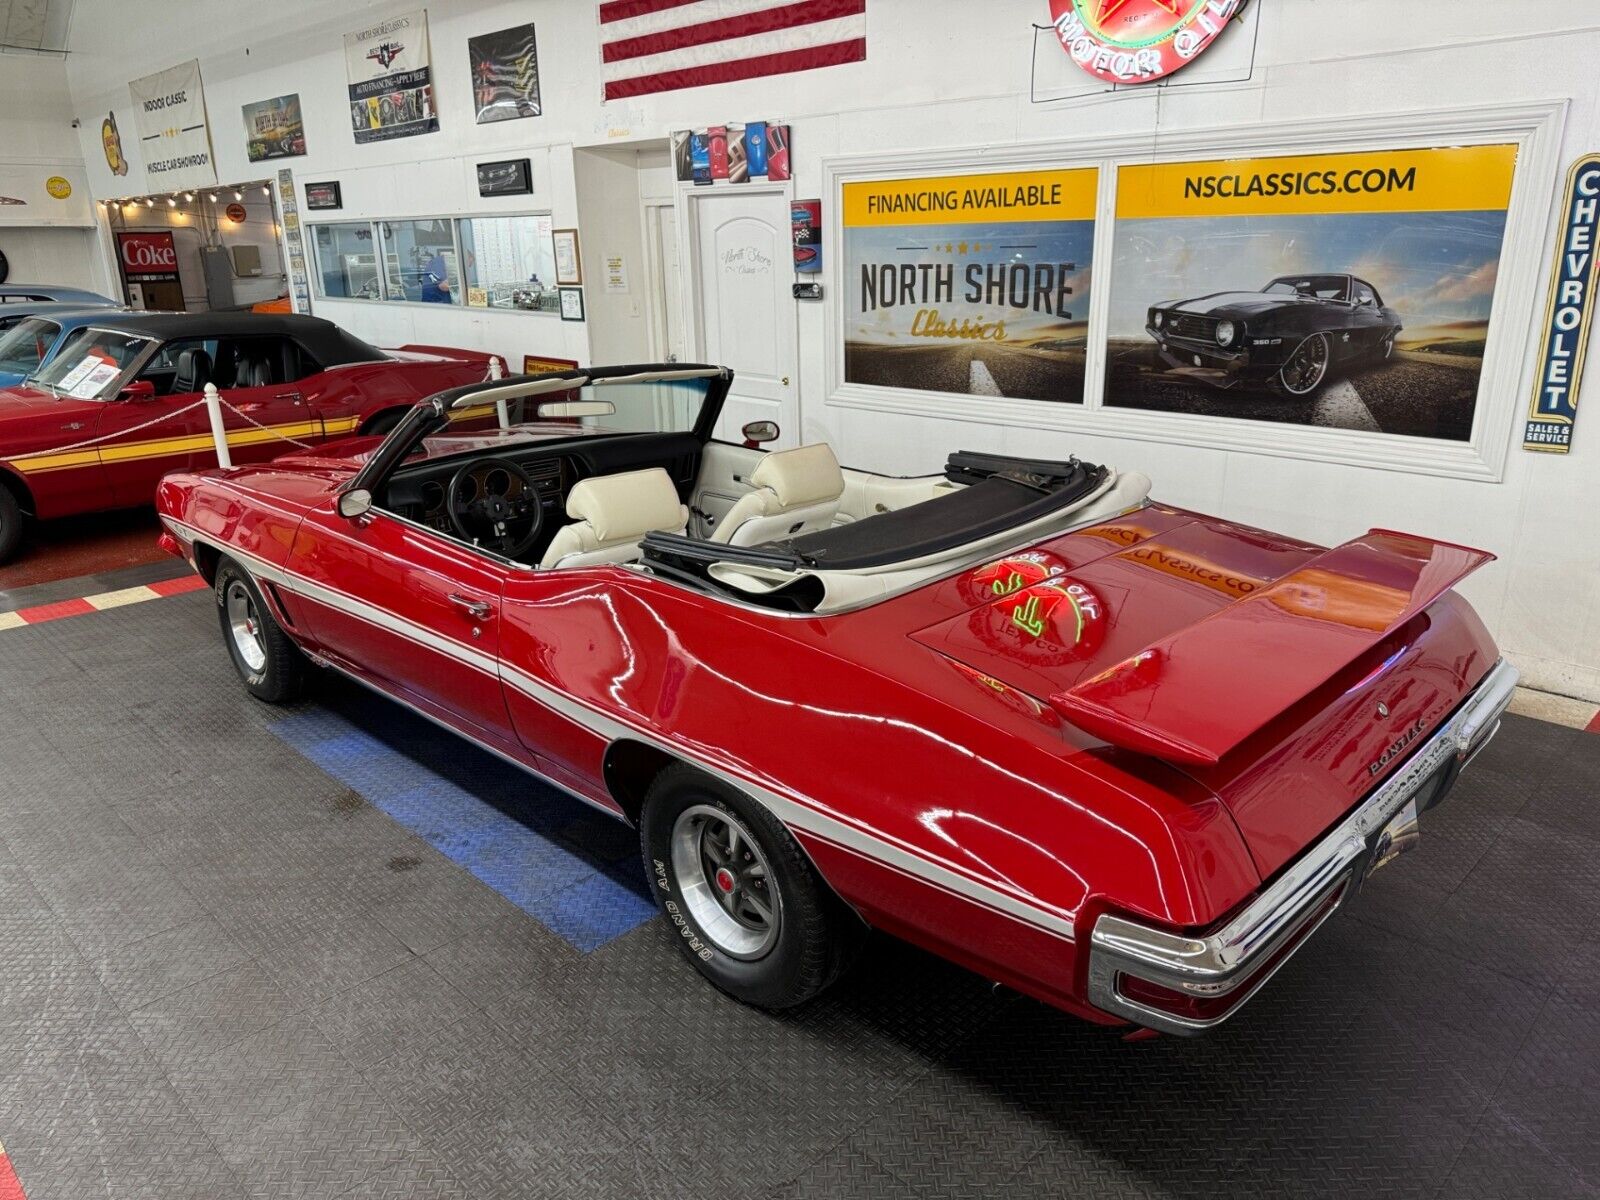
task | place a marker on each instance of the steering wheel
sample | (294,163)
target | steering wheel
(485,513)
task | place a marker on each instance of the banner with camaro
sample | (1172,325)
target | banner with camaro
(973,284)
(1348,291)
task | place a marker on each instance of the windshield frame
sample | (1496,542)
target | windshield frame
(113,389)
(432,415)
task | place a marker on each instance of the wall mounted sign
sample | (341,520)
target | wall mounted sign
(1341,291)
(805,219)
(731,153)
(58,186)
(505,74)
(569,265)
(533,364)
(111,143)
(391,79)
(274,128)
(1138,41)
(147,257)
(236,213)
(1567,315)
(572,304)
(299,277)
(324,195)
(169,108)
(513,177)
(971,284)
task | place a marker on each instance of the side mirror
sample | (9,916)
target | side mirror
(355,504)
(756,432)
(140,391)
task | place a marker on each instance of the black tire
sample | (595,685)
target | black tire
(280,674)
(1303,388)
(10,524)
(816,936)
(383,424)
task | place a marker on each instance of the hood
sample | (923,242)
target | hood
(1236,304)
(32,418)
(1104,604)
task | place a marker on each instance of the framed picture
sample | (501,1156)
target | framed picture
(509,178)
(572,304)
(569,269)
(324,195)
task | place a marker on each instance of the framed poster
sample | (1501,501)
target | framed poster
(1340,291)
(572,304)
(973,284)
(569,267)
(274,128)
(391,79)
(324,195)
(512,177)
(505,74)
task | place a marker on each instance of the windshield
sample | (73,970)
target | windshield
(25,343)
(1323,287)
(90,361)
(623,406)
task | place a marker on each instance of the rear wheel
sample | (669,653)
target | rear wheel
(382,424)
(10,524)
(1306,368)
(272,667)
(749,909)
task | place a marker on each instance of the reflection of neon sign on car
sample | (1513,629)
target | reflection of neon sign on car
(1289,335)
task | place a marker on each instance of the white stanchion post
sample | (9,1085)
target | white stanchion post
(219,431)
(500,410)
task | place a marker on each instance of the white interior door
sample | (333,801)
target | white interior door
(745,306)
(666,316)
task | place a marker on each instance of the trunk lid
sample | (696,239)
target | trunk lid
(1251,661)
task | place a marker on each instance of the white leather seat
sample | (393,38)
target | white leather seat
(611,514)
(796,491)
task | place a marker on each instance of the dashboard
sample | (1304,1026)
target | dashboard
(423,495)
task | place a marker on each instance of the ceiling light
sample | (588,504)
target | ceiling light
(149,203)
(171,203)
(266,190)
(238,195)
(188,195)
(211,196)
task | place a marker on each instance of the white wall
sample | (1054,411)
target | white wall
(47,238)
(948,73)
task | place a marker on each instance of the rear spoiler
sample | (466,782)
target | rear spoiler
(1196,694)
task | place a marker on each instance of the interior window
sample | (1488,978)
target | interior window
(183,366)
(90,361)
(509,262)
(347,261)
(419,262)
(23,346)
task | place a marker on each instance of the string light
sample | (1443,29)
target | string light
(149,202)
(172,202)
(238,195)
(188,195)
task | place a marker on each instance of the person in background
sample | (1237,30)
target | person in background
(436,281)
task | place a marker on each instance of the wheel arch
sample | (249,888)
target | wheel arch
(13,482)
(630,765)
(394,411)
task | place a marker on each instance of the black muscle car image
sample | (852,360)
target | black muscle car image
(1289,335)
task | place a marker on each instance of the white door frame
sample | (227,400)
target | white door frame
(669,290)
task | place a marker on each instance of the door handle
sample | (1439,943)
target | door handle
(478,610)
(295,396)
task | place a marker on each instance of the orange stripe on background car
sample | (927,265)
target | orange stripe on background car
(187,444)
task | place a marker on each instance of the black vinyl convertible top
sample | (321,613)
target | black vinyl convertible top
(325,341)
(1002,493)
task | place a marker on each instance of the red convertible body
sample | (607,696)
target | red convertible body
(119,405)
(1113,754)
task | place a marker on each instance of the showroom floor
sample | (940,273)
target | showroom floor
(328,951)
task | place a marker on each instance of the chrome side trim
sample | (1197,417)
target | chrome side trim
(1221,962)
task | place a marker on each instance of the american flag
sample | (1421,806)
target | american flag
(658,45)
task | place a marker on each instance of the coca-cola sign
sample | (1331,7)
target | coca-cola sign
(147,254)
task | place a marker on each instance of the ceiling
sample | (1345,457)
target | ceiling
(34,24)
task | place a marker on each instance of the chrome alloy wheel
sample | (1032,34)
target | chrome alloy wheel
(245,625)
(1307,366)
(725,881)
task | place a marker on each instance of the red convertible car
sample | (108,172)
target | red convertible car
(1119,756)
(119,404)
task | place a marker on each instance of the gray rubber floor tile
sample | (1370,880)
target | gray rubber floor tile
(141,972)
(422,1176)
(184,1028)
(392,1013)
(430,901)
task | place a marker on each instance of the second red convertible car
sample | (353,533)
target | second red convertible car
(1119,756)
(118,405)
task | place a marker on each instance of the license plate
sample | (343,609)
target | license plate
(1398,836)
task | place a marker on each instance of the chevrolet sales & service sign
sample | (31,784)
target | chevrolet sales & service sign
(1554,408)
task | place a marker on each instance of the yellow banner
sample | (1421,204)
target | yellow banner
(1461,179)
(973,199)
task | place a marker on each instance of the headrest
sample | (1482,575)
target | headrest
(806,475)
(626,506)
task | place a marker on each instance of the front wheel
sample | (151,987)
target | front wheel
(748,908)
(10,524)
(1305,369)
(272,667)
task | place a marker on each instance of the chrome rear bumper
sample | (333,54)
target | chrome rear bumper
(1222,970)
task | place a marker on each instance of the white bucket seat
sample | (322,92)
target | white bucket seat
(610,516)
(796,491)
